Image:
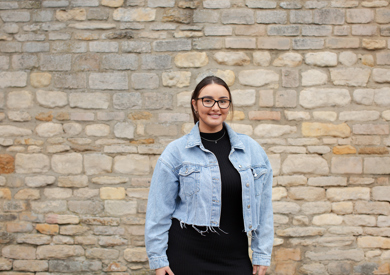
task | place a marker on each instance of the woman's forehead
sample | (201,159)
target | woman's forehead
(214,90)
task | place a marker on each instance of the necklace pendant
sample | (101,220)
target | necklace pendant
(215,142)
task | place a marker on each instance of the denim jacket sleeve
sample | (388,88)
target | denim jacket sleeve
(263,236)
(161,204)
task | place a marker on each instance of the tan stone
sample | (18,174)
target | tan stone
(342,208)
(316,129)
(344,150)
(48,229)
(48,116)
(62,219)
(348,193)
(178,79)
(20,252)
(374,151)
(27,194)
(137,254)
(112,193)
(288,59)
(264,115)
(307,193)
(59,251)
(236,115)
(301,231)
(7,164)
(141,115)
(73,14)
(327,219)
(73,229)
(112,3)
(285,254)
(39,80)
(373,44)
(285,268)
(5,194)
(373,242)
(232,58)
(191,60)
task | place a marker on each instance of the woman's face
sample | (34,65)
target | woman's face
(211,118)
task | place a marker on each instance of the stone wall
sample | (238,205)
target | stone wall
(93,90)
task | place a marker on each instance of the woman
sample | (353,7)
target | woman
(210,189)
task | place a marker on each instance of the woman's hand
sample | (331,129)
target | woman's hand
(259,269)
(165,270)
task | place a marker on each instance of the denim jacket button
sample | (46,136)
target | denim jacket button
(250,227)
(249,206)
(239,166)
(247,185)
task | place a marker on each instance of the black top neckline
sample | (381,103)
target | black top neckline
(213,136)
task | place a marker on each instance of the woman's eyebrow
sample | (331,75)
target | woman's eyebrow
(209,96)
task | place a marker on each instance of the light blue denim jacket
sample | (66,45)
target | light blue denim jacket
(186,186)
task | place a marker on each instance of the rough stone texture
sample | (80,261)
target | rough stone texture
(93,91)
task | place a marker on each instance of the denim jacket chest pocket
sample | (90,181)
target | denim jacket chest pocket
(259,174)
(189,177)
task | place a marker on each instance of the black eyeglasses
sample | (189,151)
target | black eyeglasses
(209,102)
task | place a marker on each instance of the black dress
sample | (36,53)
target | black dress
(216,252)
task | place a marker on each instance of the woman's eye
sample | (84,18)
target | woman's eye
(223,101)
(208,101)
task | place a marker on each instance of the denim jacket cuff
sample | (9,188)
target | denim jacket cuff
(257,259)
(158,262)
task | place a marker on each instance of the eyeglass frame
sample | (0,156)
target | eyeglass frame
(215,101)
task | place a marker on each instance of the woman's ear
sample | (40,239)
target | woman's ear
(194,105)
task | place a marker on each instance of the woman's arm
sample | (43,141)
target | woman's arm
(263,236)
(161,205)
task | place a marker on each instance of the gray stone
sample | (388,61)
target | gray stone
(156,62)
(155,101)
(381,75)
(20,100)
(124,101)
(13,79)
(34,47)
(49,129)
(70,81)
(70,163)
(286,98)
(52,99)
(237,16)
(314,98)
(145,81)
(271,17)
(308,43)
(89,100)
(376,165)
(382,97)
(205,16)
(85,207)
(110,81)
(31,163)
(208,43)
(136,47)
(321,59)
(124,130)
(350,76)
(15,16)
(49,206)
(103,47)
(301,17)
(161,3)
(283,30)
(311,30)
(24,61)
(305,164)
(329,16)
(120,208)
(49,62)
(120,62)
(263,4)
(39,181)
(135,14)
(257,77)
(172,45)
(132,164)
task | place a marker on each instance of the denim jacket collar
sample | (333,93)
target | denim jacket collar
(194,137)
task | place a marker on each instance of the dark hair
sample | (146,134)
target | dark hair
(207,81)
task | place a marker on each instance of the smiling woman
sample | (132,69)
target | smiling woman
(210,189)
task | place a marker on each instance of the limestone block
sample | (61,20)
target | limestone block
(132,164)
(239,128)
(348,193)
(386,115)
(5,264)
(5,193)
(371,129)
(346,165)
(49,129)
(62,219)
(373,44)
(73,229)
(350,76)
(232,58)
(314,77)
(292,180)
(97,164)
(362,115)
(342,208)
(191,60)
(286,98)
(273,130)
(112,3)
(109,81)
(86,193)
(27,194)
(383,221)
(286,207)
(178,79)
(327,219)
(39,181)
(364,96)
(380,193)
(72,128)
(112,193)
(271,17)
(320,207)
(346,230)
(135,255)
(13,79)
(321,59)
(48,229)
(262,58)
(314,268)
(348,58)
(35,239)
(127,101)
(78,14)
(52,99)
(382,97)
(278,193)
(377,165)
(314,98)
(134,14)
(291,115)
(305,164)
(70,163)
(124,130)
(227,75)
(39,80)
(374,208)
(244,97)
(288,59)
(317,129)
(49,206)
(373,242)
(20,100)
(301,231)
(257,77)
(59,251)
(327,181)
(89,100)
(72,181)
(85,207)
(97,130)
(31,163)
(381,75)
(280,219)
(336,255)
(120,208)
(306,193)
(20,252)
(8,130)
